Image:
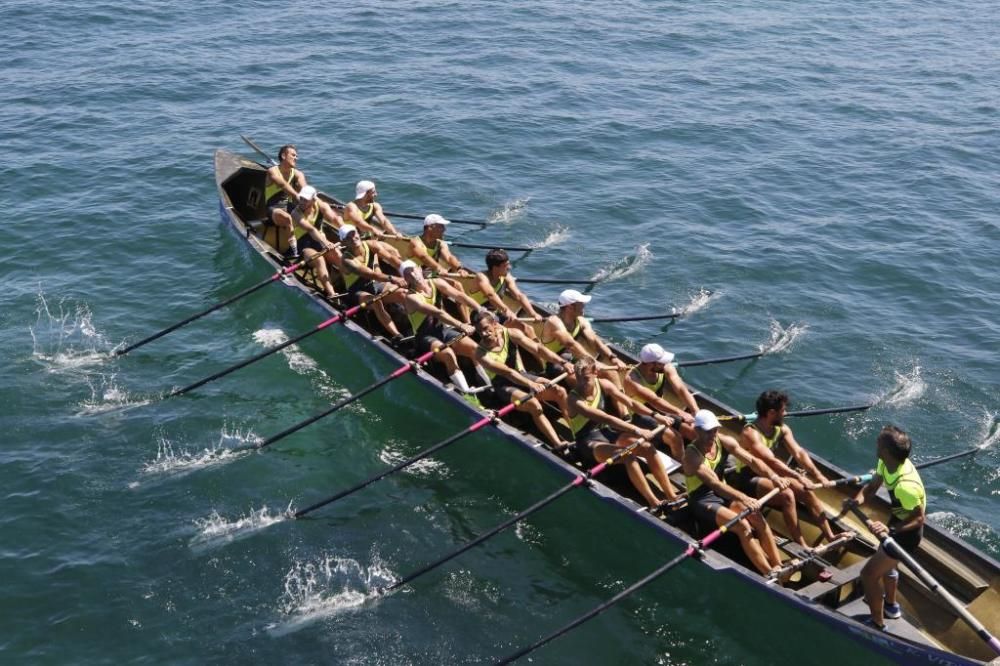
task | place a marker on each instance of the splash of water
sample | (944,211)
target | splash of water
(990,432)
(967,528)
(908,388)
(559,234)
(782,338)
(698,301)
(107,396)
(182,461)
(215,530)
(511,211)
(66,341)
(327,587)
(625,266)
(426,467)
(303,364)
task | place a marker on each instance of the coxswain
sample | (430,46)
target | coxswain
(716,502)
(282,183)
(431,325)
(564,331)
(599,435)
(498,361)
(363,277)
(309,219)
(430,250)
(908,498)
(649,381)
(762,438)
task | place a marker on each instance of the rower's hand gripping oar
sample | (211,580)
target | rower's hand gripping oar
(399,372)
(691,551)
(898,553)
(581,480)
(287,270)
(503,411)
(341,316)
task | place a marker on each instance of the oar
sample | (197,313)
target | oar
(340,316)
(898,553)
(507,248)
(690,551)
(750,416)
(723,359)
(503,411)
(258,150)
(555,281)
(813,555)
(246,292)
(580,480)
(411,216)
(609,320)
(402,370)
(865,478)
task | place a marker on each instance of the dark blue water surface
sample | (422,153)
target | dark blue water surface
(816,180)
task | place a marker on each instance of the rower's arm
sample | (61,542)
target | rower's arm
(694,465)
(352,215)
(767,464)
(504,370)
(330,215)
(603,417)
(520,297)
(418,251)
(868,490)
(314,232)
(448,258)
(802,456)
(536,348)
(680,389)
(378,276)
(418,304)
(455,294)
(559,332)
(384,221)
(485,288)
(643,394)
(595,340)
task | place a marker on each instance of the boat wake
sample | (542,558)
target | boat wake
(171,462)
(559,234)
(698,301)
(66,340)
(305,365)
(990,430)
(425,468)
(907,389)
(107,396)
(325,588)
(215,530)
(966,528)
(510,213)
(625,266)
(782,338)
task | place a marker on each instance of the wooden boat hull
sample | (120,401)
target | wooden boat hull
(238,181)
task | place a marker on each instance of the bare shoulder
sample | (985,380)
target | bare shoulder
(729,441)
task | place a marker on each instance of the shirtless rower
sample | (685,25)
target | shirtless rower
(761,438)
(430,250)
(716,502)
(362,275)
(498,360)
(564,331)
(308,218)
(282,183)
(430,324)
(599,435)
(648,383)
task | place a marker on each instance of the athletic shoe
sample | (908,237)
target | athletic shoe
(892,611)
(868,622)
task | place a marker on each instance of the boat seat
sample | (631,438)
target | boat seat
(840,577)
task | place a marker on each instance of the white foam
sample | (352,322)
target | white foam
(559,234)
(698,301)
(184,460)
(511,211)
(215,530)
(990,430)
(326,587)
(107,396)
(782,338)
(625,266)
(967,528)
(426,467)
(907,389)
(66,341)
(305,365)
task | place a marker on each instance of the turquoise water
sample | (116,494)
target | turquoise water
(816,181)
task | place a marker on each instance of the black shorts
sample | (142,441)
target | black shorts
(284,205)
(908,540)
(368,286)
(434,335)
(590,438)
(502,391)
(706,506)
(307,242)
(746,481)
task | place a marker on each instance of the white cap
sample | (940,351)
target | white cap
(345,231)
(654,353)
(434,218)
(571,296)
(362,188)
(704,419)
(307,193)
(408,265)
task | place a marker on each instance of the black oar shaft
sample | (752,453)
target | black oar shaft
(610,320)
(554,281)
(829,410)
(721,359)
(537,506)
(411,216)
(258,150)
(953,456)
(478,246)
(199,315)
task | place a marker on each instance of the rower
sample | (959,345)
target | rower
(431,325)
(498,360)
(308,219)
(564,331)
(761,438)
(906,524)
(363,278)
(366,214)
(648,383)
(430,250)
(598,434)
(282,183)
(495,283)
(705,460)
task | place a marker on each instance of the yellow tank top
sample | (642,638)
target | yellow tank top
(577,423)
(367,260)
(311,219)
(271,189)
(692,481)
(769,442)
(480,297)
(556,346)
(507,355)
(417,319)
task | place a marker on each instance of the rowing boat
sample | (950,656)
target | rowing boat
(826,588)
